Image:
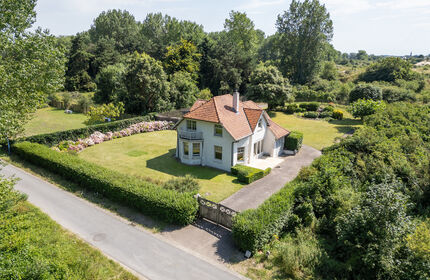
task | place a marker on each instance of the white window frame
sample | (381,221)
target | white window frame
(215,152)
(240,150)
(195,155)
(191,125)
(218,126)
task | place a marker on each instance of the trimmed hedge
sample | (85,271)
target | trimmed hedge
(54,138)
(310,115)
(291,108)
(293,141)
(152,200)
(325,114)
(254,228)
(311,106)
(247,174)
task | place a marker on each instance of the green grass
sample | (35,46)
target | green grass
(33,244)
(317,133)
(152,155)
(49,119)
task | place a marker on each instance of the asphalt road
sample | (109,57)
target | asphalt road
(141,252)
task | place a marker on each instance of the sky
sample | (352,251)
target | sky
(381,27)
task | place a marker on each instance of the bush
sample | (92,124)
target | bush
(254,228)
(310,115)
(365,91)
(291,108)
(247,174)
(312,106)
(183,184)
(362,108)
(326,114)
(152,200)
(395,94)
(294,140)
(337,114)
(54,138)
(328,108)
(98,114)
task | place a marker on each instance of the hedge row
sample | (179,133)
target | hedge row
(254,228)
(54,138)
(311,106)
(152,200)
(294,140)
(247,174)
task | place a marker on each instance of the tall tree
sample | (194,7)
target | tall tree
(31,66)
(305,29)
(268,85)
(182,57)
(78,66)
(147,86)
(119,26)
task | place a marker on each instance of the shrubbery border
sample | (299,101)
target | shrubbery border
(152,200)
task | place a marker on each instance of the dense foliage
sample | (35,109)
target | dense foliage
(32,246)
(31,66)
(153,200)
(363,199)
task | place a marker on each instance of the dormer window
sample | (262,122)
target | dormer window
(218,130)
(191,125)
(260,124)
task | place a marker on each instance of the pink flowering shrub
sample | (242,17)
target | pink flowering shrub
(98,137)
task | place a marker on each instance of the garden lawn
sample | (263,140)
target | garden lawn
(317,133)
(50,119)
(35,247)
(152,156)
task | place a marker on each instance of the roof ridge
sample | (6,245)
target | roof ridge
(216,110)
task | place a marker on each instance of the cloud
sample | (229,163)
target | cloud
(347,7)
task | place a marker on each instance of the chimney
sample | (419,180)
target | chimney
(236,101)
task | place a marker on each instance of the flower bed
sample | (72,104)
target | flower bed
(99,137)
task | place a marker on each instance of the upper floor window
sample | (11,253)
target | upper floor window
(218,130)
(260,123)
(191,125)
(218,152)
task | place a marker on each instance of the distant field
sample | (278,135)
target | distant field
(49,119)
(317,133)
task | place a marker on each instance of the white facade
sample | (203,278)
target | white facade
(208,148)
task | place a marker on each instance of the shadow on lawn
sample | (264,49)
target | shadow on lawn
(168,164)
(346,126)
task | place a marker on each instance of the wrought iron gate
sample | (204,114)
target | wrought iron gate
(216,212)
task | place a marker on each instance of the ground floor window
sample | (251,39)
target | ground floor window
(218,152)
(241,154)
(258,147)
(196,149)
(186,148)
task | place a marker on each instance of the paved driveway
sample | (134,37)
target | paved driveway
(256,193)
(140,251)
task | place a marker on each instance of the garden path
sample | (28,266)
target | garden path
(257,192)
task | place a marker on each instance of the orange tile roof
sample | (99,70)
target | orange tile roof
(253,115)
(277,130)
(220,110)
(197,104)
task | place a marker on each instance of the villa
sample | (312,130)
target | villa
(224,131)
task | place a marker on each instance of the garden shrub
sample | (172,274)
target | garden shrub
(294,140)
(247,174)
(365,91)
(291,108)
(310,115)
(267,171)
(328,108)
(326,114)
(152,200)
(254,228)
(54,138)
(311,106)
(337,114)
(183,184)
